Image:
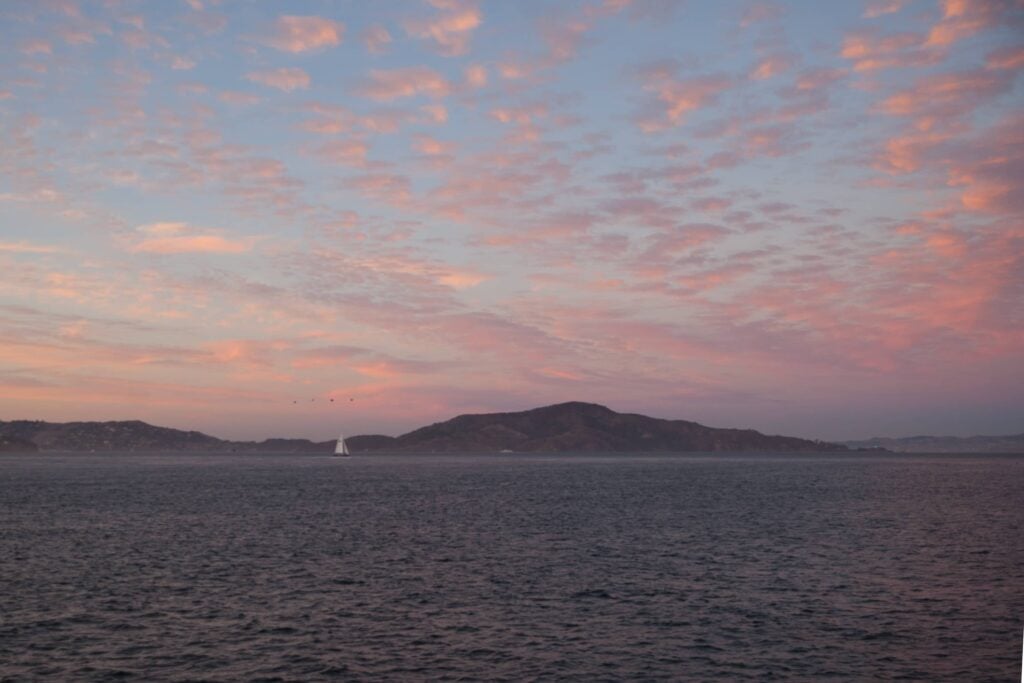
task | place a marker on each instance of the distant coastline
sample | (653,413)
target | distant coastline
(1012,443)
(564,427)
(573,426)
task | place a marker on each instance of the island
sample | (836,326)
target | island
(1011,443)
(564,427)
(14,444)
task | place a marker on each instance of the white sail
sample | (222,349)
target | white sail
(341,448)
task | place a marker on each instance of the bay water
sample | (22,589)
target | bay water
(223,567)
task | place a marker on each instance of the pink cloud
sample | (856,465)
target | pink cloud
(563,38)
(346,152)
(337,114)
(680,240)
(331,119)
(243,352)
(324,126)
(192,88)
(1011,57)
(239,98)
(813,79)
(76,36)
(437,113)
(36,47)
(759,12)
(963,18)
(286,79)
(179,63)
(677,97)
(870,51)
(771,66)
(389,188)
(521,114)
(513,70)
(949,244)
(771,141)
(560,224)
(138,38)
(432,147)
(183,244)
(476,75)
(645,211)
(949,94)
(304,33)
(878,8)
(711,204)
(408,82)
(180,238)
(989,168)
(451,29)
(210,23)
(960,19)
(376,39)
(713,278)
(385,120)
(906,153)
(28,248)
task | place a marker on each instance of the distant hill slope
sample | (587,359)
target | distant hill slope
(1013,443)
(579,426)
(564,427)
(14,444)
(134,435)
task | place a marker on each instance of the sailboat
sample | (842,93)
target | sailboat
(341,448)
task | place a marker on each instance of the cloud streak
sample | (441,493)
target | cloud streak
(180,238)
(297,34)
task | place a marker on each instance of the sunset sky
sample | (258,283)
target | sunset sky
(801,217)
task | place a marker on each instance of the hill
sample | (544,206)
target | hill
(14,444)
(135,435)
(580,426)
(571,426)
(1013,443)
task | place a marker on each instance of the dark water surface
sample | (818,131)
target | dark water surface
(182,567)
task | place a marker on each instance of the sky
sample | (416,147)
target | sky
(263,219)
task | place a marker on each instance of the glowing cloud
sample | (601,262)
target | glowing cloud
(376,39)
(878,8)
(399,83)
(303,34)
(771,66)
(180,238)
(476,76)
(676,96)
(27,248)
(451,29)
(283,79)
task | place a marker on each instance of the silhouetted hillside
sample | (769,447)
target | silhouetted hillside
(370,442)
(134,435)
(564,427)
(1013,443)
(14,444)
(579,426)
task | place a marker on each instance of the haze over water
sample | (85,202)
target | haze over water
(175,567)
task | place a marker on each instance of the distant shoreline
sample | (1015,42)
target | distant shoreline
(561,428)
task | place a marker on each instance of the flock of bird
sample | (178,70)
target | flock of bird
(312,400)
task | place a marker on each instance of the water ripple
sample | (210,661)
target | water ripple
(585,568)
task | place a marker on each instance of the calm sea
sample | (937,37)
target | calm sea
(259,567)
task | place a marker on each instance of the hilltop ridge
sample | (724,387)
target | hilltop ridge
(580,426)
(572,426)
